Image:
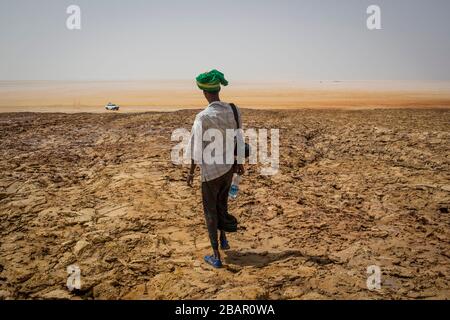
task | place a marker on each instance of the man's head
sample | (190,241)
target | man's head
(211,96)
(210,83)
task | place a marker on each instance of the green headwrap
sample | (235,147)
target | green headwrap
(211,81)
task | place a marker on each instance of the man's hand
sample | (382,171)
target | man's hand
(240,169)
(190,179)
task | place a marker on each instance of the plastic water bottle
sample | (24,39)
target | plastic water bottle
(234,186)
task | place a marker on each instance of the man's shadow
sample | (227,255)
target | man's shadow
(258,259)
(264,258)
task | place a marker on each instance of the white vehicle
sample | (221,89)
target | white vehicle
(112,106)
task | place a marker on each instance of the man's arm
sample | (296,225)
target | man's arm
(196,147)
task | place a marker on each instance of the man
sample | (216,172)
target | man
(216,175)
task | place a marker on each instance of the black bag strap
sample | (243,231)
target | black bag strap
(236,115)
(236,118)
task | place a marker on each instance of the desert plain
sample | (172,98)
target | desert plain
(364,181)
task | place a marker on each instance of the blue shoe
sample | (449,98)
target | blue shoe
(224,245)
(216,263)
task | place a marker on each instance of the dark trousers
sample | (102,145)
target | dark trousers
(215,204)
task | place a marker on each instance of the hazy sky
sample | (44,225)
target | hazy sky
(246,39)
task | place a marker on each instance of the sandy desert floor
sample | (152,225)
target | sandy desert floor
(356,188)
(142,96)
